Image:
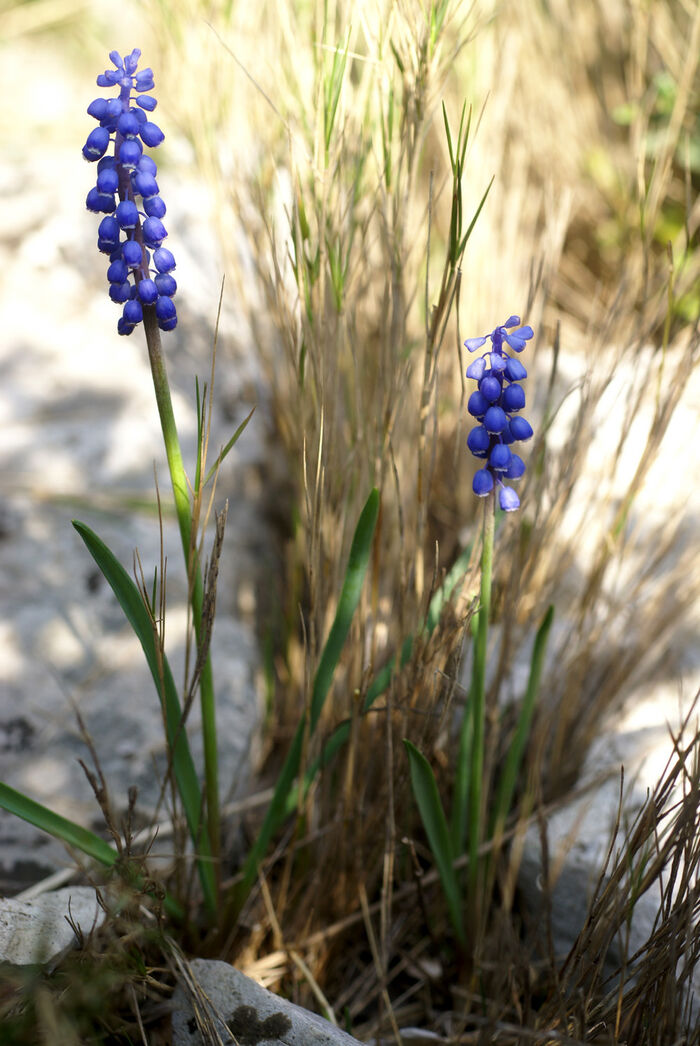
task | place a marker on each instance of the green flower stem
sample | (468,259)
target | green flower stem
(183,509)
(478,700)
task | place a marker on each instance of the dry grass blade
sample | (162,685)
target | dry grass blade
(207,1020)
(318,128)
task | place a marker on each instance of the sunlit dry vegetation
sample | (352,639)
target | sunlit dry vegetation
(389,179)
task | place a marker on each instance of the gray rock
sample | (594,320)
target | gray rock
(579,833)
(66,647)
(241,1011)
(40,930)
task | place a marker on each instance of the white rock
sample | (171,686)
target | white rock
(244,1012)
(40,931)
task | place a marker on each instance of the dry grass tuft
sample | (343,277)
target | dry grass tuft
(114,987)
(335,209)
(318,129)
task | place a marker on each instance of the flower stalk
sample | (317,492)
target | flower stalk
(496,406)
(178,478)
(478,700)
(140,279)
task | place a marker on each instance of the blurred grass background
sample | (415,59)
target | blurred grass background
(316,129)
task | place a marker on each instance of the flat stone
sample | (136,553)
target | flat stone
(40,931)
(244,1013)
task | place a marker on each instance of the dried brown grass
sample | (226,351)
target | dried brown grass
(572,236)
(366,389)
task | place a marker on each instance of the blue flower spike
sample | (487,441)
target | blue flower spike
(126,191)
(495,404)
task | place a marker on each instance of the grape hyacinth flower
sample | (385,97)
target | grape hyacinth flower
(495,404)
(130,230)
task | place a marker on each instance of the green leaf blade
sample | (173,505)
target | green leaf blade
(358,561)
(137,615)
(432,814)
(72,834)
(59,827)
(224,451)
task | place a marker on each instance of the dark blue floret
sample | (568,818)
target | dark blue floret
(109,78)
(516,469)
(499,458)
(148,164)
(128,125)
(479,441)
(495,420)
(144,81)
(490,388)
(133,311)
(154,207)
(132,253)
(130,152)
(165,308)
(513,397)
(507,436)
(166,284)
(108,180)
(483,483)
(144,184)
(151,134)
(112,113)
(117,272)
(108,232)
(154,232)
(100,202)
(163,260)
(127,192)
(515,370)
(96,144)
(98,108)
(495,404)
(147,292)
(127,214)
(120,292)
(478,404)
(520,428)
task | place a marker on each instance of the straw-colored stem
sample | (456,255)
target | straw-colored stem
(183,510)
